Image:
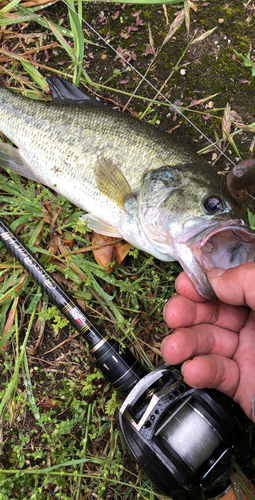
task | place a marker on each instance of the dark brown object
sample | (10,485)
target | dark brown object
(242,176)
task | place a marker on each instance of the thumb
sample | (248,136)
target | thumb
(234,286)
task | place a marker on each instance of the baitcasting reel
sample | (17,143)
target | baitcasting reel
(178,434)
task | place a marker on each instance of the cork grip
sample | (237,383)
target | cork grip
(231,495)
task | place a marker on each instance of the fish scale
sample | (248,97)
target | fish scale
(135,180)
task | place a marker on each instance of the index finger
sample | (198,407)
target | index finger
(185,287)
(180,312)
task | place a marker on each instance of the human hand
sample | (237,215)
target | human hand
(216,340)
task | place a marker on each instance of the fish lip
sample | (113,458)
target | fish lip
(245,234)
(238,226)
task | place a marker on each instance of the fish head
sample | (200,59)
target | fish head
(188,216)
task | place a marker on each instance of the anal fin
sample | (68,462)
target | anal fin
(10,158)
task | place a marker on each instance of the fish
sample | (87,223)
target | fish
(132,179)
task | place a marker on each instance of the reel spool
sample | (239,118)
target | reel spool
(179,434)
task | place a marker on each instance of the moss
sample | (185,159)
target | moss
(211,68)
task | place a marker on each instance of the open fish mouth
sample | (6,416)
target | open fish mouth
(227,245)
(223,244)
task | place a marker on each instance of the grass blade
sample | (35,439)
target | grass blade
(147,2)
(11,388)
(28,385)
(9,6)
(44,23)
(62,41)
(35,75)
(7,19)
(79,41)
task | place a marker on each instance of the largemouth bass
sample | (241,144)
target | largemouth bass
(134,180)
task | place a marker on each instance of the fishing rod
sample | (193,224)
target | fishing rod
(179,435)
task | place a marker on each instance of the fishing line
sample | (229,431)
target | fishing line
(147,81)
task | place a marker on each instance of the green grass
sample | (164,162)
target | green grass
(59,417)
(59,414)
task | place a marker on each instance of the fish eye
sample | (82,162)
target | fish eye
(213,204)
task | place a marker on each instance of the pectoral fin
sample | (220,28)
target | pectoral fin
(100,226)
(10,158)
(112,183)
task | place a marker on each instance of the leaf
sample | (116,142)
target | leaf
(200,101)
(226,124)
(44,23)
(79,41)
(28,384)
(148,2)
(9,324)
(186,14)
(174,26)
(251,219)
(192,6)
(233,144)
(77,34)
(203,36)
(21,220)
(151,39)
(35,75)
(109,253)
(7,19)
(9,6)
(247,61)
(62,41)
(14,290)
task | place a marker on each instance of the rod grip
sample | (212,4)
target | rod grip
(242,484)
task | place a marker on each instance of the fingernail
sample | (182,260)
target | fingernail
(164,309)
(163,342)
(165,306)
(186,363)
(216,272)
(183,367)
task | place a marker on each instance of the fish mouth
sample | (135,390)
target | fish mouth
(227,245)
(224,244)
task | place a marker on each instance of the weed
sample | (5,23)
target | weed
(59,416)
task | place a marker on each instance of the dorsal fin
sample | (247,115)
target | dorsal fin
(63,92)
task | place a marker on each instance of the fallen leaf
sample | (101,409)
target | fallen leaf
(108,253)
(50,403)
(35,3)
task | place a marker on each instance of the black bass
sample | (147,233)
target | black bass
(134,180)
